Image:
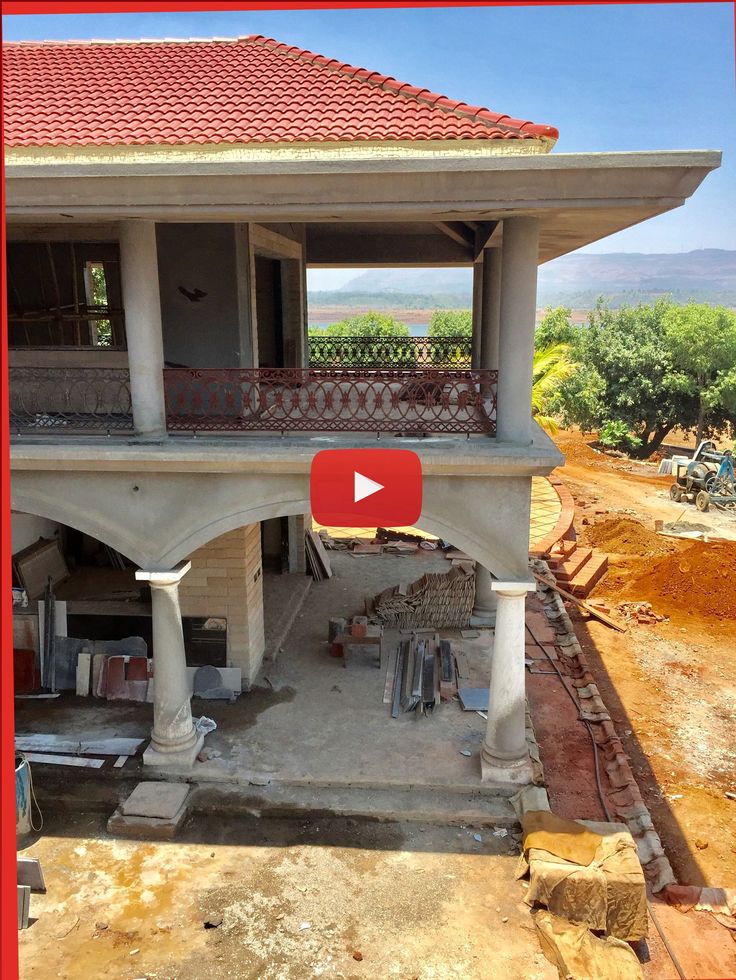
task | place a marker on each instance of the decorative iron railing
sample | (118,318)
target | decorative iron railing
(60,399)
(389,352)
(316,400)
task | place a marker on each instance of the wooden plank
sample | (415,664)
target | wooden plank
(85,745)
(65,760)
(84,668)
(320,553)
(120,761)
(591,610)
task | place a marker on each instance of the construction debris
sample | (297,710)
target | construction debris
(640,612)
(435,600)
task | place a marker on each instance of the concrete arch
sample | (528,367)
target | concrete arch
(159,518)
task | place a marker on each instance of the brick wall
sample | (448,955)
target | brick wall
(226,580)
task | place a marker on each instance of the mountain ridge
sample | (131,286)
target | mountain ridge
(705,275)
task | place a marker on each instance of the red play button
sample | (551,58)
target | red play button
(366,487)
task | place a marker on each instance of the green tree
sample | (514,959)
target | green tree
(451,323)
(556,327)
(371,324)
(640,385)
(702,340)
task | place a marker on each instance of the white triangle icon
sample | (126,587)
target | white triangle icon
(364,487)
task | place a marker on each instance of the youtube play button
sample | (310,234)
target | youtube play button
(366,487)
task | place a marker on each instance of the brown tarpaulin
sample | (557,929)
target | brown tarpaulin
(605,892)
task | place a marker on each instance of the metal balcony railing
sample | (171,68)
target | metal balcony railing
(47,400)
(389,352)
(331,400)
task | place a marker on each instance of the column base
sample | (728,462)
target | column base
(506,772)
(183,758)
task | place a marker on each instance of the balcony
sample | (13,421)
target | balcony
(403,400)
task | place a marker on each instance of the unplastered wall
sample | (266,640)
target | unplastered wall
(226,580)
(26,529)
(200,330)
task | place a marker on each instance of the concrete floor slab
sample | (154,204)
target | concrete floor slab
(284,900)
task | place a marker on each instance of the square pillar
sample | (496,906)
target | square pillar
(520,257)
(142,304)
(504,754)
(174,739)
(486,600)
(475,347)
(491,309)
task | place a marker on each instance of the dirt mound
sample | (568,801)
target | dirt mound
(623,536)
(699,580)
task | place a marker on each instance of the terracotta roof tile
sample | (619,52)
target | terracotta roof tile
(246,90)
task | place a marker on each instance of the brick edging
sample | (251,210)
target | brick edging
(624,794)
(564,521)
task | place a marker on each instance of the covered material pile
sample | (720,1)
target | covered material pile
(435,600)
(700,579)
(585,872)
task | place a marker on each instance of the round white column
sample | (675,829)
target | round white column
(516,338)
(174,739)
(142,304)
(486,600)
(504,753)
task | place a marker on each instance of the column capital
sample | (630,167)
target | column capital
(513,588)
(163,577)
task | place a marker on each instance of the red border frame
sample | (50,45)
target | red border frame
(8,920)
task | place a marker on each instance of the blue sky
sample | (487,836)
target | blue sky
(619,77)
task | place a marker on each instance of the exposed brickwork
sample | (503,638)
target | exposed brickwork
(226,580)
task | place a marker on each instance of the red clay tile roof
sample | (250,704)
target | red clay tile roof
(245,90)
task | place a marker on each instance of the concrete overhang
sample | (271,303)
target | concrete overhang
(439,455)
(578,197)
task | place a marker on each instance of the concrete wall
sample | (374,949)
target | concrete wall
(68,358)
(26,529)
(206,332)
(226,580)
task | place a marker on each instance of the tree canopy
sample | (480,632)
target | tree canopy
(451,323)
(371,324)
(648,369)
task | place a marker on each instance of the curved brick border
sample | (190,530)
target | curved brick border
(564,521)
(623,795)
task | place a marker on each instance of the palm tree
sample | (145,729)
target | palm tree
(550,367)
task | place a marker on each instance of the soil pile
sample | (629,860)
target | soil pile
(699,580)
(623,536)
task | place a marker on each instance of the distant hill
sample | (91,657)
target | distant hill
(577,280)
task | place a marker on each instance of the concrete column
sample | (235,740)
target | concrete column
(174,739)
(486,600)
(142,304)
(477,313)
(491,315)
(516,340)
(504,754)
